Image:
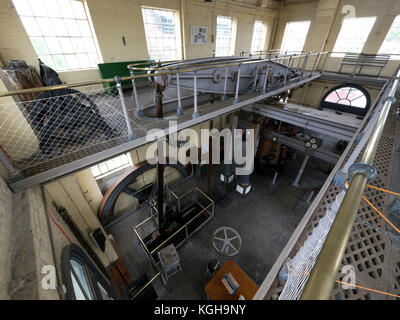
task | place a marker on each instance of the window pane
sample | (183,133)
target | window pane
(53,45)
(111,165)
(45,26)
(77,289)
(391,44)
(257,42)
(79,11)
(104,293)
(162,38)
(348,96)
(23,8)
(38,8)
(80,273)
(224,43)
(295,36)
(353,35)
(66,9)
(39,45)
(56,28)
(31,26)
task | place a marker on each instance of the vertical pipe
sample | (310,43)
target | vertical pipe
(210,152)
(236,100)
(124,109)
(275,177)
(315,64)
(160,195)
(159,102)
(255,78)
(324,64)
(179,111)
(303,69)
(224,97)
(135,96)
(265,81)
(195,113)
(300,173)
(287,71)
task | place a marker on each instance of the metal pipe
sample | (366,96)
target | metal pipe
(146,285)
(179,111)
(236,100)
(320,283)
(300,173)
(224,97)
(195,113)
(139,110)
(265,81)
(123,105)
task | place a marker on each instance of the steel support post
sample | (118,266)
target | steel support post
(123,105)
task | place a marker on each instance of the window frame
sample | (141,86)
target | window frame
(231,38)
(346,108)
(262,39)
(393,55)
(92,274)
(285,35)
(341,54)
(65,44)
(113,170)
(177,34)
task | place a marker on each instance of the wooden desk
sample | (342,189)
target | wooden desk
(215,290)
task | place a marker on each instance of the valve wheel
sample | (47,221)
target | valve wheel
(227,241)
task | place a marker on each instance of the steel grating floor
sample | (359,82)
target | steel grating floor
(370,249)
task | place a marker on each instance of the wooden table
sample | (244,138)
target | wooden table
(215,290)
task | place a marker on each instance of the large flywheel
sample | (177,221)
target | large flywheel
(138,183)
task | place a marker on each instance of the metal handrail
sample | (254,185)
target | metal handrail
(184,69)
(322,278)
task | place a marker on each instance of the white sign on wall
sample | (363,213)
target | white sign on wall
(198,35)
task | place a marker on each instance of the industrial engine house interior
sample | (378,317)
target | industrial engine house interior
(199,150)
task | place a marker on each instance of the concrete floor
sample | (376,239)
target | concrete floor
(265,220)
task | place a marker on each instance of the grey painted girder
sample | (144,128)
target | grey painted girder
(333,125)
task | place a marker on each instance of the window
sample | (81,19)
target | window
(349,99)
(295,36)
(259,34)
(224,40)
(110,166)
(353,35)
(162,34)
(60,33)
(81,279)
(391,44)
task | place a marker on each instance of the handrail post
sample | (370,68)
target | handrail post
(324,64)
(265,81)
(179,111)
(255,78)
(288,68)
(236,100)
(139,110)
(315,64)
(123,104)
(304,65)
(224,97)
(195,113)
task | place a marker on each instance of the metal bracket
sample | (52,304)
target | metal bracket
(364,168)
(393,99)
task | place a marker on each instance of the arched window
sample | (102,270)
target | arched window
(347,98)
(81,278)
